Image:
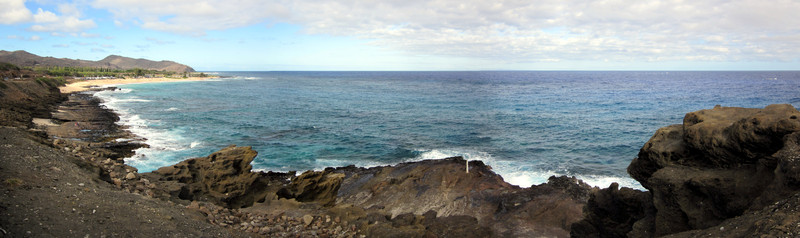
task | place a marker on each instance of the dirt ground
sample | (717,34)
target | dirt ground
(46,192)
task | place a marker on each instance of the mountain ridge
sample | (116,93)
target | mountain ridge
(25,59)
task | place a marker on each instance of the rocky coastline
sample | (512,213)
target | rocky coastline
(724,172)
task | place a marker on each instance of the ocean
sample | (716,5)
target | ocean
(526,125)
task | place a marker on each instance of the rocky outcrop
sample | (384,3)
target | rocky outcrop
(444,187)
(781,219)
(23,100)
(313,186)
(410,199)
(223,178)
(719,164)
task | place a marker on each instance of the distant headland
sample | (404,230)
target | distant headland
(24,59)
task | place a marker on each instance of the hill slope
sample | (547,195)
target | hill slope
(25,59)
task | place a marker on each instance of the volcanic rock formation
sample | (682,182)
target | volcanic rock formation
(719,164)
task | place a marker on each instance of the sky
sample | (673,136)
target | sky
(232,35)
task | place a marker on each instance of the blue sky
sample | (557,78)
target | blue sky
(212,35)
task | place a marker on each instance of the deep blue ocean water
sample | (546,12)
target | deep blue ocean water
(526,125)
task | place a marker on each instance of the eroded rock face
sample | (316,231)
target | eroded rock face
(719,164)
(23,100)
(444,187)
(313,186)
(224,177)
(432,197)
(439,185)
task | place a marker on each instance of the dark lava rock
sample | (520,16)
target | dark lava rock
(445,188)
(720,164)
(612,212)
(23,100)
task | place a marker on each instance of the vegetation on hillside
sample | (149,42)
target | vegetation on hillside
(7,66)
(99,72)
(52,81)
(58,75)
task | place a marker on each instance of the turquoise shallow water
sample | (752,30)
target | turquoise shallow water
(526,125)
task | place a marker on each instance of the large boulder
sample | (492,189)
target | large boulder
(719,164)
(224,178)
(313,186)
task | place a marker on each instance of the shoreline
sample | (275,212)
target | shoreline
(86,85)
(220,195)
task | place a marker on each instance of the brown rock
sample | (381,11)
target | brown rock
(314,186)
(224,177)
(719,164)
(443,187)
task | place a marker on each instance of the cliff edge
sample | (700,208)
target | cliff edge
(726,165)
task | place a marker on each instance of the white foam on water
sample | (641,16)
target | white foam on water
(521,175)
(123,90)
(158,140)
(195,144)
(446,153)
(529,178)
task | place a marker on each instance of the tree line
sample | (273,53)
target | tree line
(66,71)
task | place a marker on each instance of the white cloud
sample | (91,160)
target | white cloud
(190,16)
(32,38)
(89,35)
(45,17)
(49,22)
(509,31)
(14,11)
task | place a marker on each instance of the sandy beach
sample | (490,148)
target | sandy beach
(85,85)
